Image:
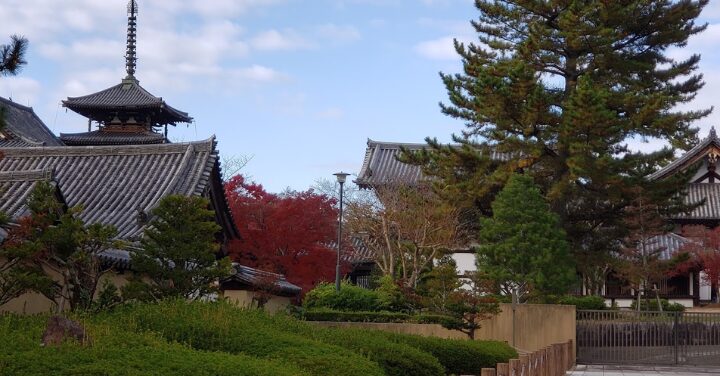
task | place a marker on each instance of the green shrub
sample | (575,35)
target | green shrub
(394,358)
(430,318)
(350,298)
(223,327)
(116,351)
(460,356)
(593,302)
(651,305)
(333,315)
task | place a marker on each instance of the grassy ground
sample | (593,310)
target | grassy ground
(182,338)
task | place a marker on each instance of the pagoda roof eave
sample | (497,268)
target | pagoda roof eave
(128,95)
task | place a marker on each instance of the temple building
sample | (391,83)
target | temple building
(381,166)
(118,172)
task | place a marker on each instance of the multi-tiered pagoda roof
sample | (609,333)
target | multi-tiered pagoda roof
(125,113)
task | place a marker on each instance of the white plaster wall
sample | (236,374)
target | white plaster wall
(705,293)
(465,262)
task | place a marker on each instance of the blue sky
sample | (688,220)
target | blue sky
(299,86)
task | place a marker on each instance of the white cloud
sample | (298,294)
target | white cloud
(274,40)
(437,49)
(22,90)
(258,73)
(338,33)
(332,113)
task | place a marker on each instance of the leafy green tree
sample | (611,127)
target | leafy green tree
(51,251)
(523,248)
(439,284)
(466,309)
(557,88)
(179,251)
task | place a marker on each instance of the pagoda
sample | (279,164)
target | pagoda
(126,113)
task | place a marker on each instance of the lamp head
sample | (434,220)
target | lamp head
(341,177)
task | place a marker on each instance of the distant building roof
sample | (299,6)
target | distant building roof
(23,127)
(126,97)
(698,152)
(111,138)
(245,277)
(117,185)
(381,165)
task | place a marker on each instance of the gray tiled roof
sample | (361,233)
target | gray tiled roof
(128,96)
(115,184)
(696,192)
(251,277)
(380,165)
(15,186)
(669,244)
(24,127)
(688,157)
(111,138)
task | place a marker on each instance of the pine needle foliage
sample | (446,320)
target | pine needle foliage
(556,88)
(523,248)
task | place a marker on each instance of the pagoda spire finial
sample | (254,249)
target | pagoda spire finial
(712,132)
(130,57)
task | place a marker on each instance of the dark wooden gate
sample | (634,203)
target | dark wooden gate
(631,337)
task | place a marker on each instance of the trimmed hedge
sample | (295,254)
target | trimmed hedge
(459,356)
(223,327)
(116,351)
(651,305)
(584,302)
(324,314)
(333,315)
(350,298)
(394,357)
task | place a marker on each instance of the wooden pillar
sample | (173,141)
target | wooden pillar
(556,359)
(532,369)
(571,361)
(524,364)
(487,372)
(548,361)
(503,369)
(514,367)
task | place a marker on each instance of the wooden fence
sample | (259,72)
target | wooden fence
(553,360)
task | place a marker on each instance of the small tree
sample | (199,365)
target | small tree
(522,246)
(179,250)
(407,229)
(439,284)
(467,308)
(12,59)
(703,252)
(641,263)
(51,251)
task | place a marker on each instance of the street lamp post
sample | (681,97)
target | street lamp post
(341,176)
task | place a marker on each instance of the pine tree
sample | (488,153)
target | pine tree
(178,252)
(556,88)
(12,58)
(523,248)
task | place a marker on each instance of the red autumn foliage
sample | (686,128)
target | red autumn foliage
(704,253)
(289,233)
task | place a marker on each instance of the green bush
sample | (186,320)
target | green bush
(651,305)
(460,356)
(584,302)
(430,318)
(395,358)
(223,327)
(333,315)
(350,298)
(116,351)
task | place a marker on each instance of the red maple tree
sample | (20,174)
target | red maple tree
(291,233)
(704,254)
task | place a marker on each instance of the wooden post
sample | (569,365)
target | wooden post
(487,372)
(514,367)
(532,369)
(541,363)
(556,359)
(571,363)
(524,364)
(503,369)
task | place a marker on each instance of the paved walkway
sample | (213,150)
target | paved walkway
(600,370)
